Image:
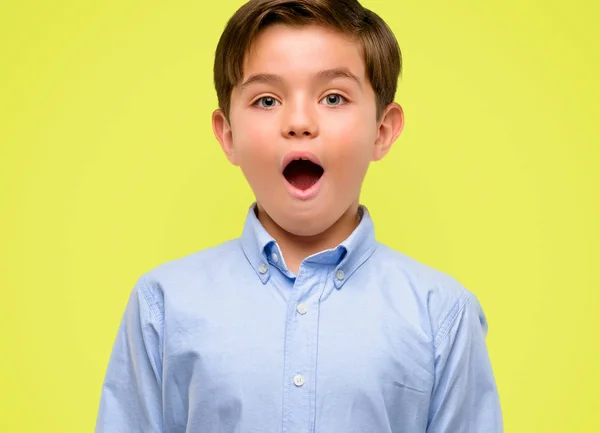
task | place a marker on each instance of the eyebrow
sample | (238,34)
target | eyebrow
(262,78)
(324,75)
(330,74)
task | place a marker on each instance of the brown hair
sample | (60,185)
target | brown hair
(382,56)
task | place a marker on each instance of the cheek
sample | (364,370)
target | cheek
(253,140)
(256,152)
(351,144)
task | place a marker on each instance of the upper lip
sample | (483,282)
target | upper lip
(299,154)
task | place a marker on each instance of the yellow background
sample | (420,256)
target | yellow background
(108,167)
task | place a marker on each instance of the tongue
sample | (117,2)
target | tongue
(303,174)
(303,180)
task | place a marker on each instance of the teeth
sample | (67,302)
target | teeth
(304,159)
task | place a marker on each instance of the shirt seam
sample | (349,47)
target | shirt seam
(153,303)
(152,307)
(447,324)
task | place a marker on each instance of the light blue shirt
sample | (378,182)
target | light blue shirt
(363,339)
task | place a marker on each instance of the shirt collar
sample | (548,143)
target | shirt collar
(262,250)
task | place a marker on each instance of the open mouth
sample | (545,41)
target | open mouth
(302,173)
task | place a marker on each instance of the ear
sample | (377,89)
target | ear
(224,135)
(390,127)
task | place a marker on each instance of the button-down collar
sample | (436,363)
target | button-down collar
(262,251)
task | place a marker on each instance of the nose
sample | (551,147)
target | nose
(300,120)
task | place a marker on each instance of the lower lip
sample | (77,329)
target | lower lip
(304,194)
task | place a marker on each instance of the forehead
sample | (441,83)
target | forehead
(298,50)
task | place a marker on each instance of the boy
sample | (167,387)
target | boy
(305,323)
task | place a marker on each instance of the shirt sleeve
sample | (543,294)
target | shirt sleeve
(465,397)
(131,392)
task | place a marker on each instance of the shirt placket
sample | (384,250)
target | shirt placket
(301,338)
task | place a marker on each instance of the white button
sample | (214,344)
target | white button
(262,268)
(298,380)
(302,308)
(275,257)
(339,274)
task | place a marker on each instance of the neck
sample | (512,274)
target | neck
(296,248)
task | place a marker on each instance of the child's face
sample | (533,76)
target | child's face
(305,94)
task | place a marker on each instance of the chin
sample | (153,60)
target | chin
(310,222)
(305,230)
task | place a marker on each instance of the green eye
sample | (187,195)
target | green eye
(334,99)
(266,102)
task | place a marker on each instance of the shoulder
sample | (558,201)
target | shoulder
(183,274)
(197,262)
(437,292)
